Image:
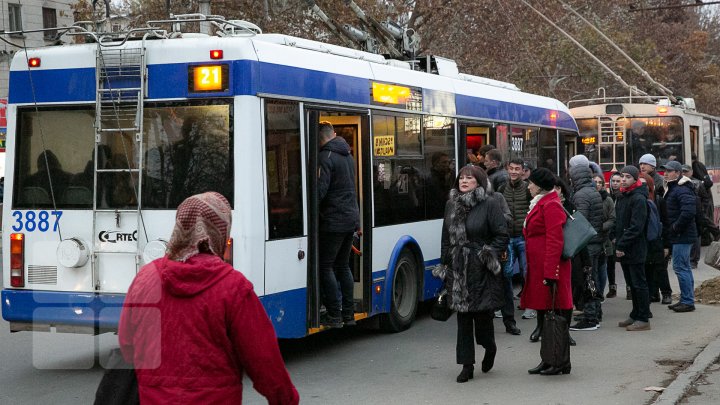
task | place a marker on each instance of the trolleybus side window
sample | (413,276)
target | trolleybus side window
(711,136)
(283,165)
(413,172)
(398,169)
(439,154)
(661,136)
(188,150)
(524,145)
(547,150)
(67,138)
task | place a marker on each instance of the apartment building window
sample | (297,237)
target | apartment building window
(49,21)
(15,17)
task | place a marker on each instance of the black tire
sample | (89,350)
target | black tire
(404,295)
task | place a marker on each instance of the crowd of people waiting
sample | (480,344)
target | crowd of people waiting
(506,220)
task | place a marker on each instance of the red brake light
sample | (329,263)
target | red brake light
(17,260)
(34,62)
(216,54)
(228,255)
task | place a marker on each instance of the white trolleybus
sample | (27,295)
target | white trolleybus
(617,131)
(105,139)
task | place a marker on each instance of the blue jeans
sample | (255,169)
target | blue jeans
(335,272)
(681,266)
(516,251)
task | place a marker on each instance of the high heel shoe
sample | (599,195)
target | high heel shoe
(535,335)
(540,367)
(466,373)
(489,359)
(557,370)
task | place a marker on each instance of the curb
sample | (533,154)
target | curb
(679,387)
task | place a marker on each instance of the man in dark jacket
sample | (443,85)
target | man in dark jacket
(339,218)
(648,163)
(681,206)
(631,245)
(587,200)
(497,175)
(518,198)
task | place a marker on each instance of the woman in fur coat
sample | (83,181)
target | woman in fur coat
(474,235)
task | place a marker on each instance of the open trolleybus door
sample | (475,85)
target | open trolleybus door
(353,126)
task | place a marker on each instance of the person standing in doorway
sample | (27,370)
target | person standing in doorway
(339,219)
(681,206)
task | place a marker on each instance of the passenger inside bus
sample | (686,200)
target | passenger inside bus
(37,187)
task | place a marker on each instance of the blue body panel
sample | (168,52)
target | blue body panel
(287,310)
(64,308)
(248,77)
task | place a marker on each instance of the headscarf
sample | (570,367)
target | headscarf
(202,223)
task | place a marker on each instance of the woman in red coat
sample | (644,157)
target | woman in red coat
(192,325)
(543,233)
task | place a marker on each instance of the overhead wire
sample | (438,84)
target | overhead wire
(590,54)
(517,33)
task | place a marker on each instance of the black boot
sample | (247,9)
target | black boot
(535,335)
(540,367)
(565,369)
(489,359)
(466,373)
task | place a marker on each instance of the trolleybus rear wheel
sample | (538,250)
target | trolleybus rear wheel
(404,294)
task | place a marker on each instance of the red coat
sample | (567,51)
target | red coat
(543,245)
(191,329)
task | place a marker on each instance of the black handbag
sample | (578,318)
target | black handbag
(440,310)
(119,383)
(577,233)
(555,337)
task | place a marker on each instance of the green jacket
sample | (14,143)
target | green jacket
(518,199)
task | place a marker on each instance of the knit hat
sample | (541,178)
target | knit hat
(631,170)
(649,159)
(543,178)
(579,160)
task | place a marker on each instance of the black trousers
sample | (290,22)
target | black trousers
(479,324)
(611,269)
(638,286)
(657,278)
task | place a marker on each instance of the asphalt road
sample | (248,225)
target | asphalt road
(610,365)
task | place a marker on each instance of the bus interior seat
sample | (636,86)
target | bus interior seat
(35,196)
(77,195)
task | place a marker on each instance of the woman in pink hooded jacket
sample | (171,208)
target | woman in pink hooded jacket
(192,325)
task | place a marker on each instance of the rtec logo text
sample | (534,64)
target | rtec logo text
(115,236)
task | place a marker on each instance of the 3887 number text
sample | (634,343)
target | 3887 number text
(31,221)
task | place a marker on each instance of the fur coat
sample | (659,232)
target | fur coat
(474,235)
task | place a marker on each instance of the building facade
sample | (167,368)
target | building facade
(18,15)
